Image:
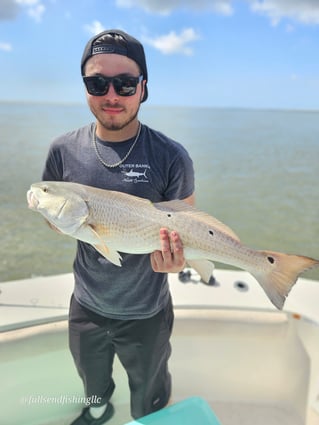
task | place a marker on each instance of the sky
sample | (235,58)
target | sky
(200,53)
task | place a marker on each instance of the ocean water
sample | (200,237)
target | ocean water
(256,170)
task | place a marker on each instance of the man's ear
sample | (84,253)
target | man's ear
(143,90)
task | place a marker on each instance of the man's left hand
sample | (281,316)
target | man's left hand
(170,259)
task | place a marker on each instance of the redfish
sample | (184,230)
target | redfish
(116,222)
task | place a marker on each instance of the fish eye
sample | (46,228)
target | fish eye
(45,189)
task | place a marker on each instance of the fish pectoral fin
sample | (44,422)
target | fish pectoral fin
(110,254)
(204,268)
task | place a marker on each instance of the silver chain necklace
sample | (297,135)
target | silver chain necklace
(99,157)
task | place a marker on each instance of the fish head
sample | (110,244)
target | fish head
(59,204)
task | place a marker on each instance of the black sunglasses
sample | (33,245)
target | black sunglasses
(124,85)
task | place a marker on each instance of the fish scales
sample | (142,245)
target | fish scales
(123,225)
(116,222)
(143,222)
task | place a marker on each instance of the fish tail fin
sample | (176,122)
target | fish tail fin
(283,274)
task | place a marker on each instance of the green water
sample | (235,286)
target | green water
(256,170)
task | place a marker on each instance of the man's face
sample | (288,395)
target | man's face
(113,111)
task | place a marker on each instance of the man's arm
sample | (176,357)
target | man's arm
(167,260)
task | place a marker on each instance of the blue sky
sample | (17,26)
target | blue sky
(219,53)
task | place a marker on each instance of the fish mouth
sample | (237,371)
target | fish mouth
(32,200)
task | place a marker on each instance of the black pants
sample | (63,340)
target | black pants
(142,347)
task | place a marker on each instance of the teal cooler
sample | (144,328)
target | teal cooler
(192,411)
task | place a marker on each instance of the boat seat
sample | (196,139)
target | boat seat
(191,411)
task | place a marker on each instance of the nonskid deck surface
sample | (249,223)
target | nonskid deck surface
(44,389)
(233,366)
(250,362)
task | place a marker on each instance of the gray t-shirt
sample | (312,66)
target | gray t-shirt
(158,169)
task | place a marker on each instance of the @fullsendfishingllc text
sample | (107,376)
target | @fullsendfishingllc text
(59,399)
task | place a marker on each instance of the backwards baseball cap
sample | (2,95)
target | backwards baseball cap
(120,43)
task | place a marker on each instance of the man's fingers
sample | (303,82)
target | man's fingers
(177,246)
(165,246)
(156,260)
(171,256)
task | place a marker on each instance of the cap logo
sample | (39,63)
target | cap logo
(108,48)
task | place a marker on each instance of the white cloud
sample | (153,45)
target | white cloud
(6,47)
(305,11)
(165,7)
(173,43)
(36,12)
(9,9)
(94,28)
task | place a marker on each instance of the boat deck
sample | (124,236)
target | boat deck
(46,299)
(250,362)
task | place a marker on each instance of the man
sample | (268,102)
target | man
(122,310)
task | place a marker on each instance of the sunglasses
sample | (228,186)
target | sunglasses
(124,85)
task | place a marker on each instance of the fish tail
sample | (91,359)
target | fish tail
(283,273)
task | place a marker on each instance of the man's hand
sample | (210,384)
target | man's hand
(170,259)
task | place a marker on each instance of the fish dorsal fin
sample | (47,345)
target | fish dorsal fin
(184,208)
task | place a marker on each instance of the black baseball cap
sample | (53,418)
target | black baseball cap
(125,45)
